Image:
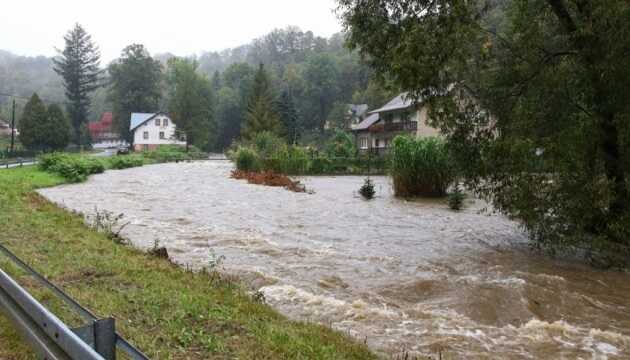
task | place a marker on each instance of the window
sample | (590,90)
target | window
(404,116)
(363,142)
(145,135)
(165,122)
(157,122)
(377,143)
(162,135)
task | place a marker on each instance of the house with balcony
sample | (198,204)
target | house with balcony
(400,116)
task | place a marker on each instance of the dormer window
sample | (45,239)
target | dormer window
(157,122)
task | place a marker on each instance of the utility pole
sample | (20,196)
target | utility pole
(13,127)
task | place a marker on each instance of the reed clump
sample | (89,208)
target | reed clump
(421,167)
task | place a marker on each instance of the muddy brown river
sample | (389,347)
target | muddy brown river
(402,275)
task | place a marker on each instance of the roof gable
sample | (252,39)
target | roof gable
(400,102)
(138,119)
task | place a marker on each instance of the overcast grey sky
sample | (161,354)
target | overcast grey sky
(183,27)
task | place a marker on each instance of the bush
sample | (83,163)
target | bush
(172,153)
(75,168)
(268,144)
(367,190)
(456,199)
(421,167)
(321,165)
(340,145)
(247,159)
(125,162)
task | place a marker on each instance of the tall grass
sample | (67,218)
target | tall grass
(421,167)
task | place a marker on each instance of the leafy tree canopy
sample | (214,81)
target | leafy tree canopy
(532,96)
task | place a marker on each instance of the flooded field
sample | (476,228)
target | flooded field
(401,275)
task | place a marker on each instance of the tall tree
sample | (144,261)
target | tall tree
(78,65)
(32,123)
(229,115)
(135,86)
(532,96)
(320,75)
(190,103)
(57,129)
(288,115)
(44,129)
(261,113)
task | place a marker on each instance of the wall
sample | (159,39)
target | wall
(154,133)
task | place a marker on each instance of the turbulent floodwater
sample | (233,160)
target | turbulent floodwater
(403,276)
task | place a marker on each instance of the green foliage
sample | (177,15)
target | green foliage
(261,112)
(320,73)
(56,130)
(247,159)
(456,199)
(43,129)
(367,190)
(136,80)
(539,111)
(78,65)
(75,168)
(172,153)
(421,167)
(126,161)
(191,103)
(31,125)
(288,116)
(341,144)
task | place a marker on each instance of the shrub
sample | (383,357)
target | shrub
(340,145)
(421,167)
(367,190)
(321,165)
(268,144)
(125,162)
(172,153)
(75,168)
(247,159)
(456,199)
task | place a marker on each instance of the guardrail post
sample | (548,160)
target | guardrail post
(101,336)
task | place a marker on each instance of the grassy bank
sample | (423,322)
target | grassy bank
(167,312)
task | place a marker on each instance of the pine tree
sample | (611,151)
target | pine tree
(58,129)
(288,115)
(32,124)
(78,65)
(261,113)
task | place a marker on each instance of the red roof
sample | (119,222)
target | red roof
(101,126)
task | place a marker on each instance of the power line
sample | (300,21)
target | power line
(41,98)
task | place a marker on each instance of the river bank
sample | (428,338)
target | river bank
(400,275)
(167,312)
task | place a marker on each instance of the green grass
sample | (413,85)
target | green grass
(167,312)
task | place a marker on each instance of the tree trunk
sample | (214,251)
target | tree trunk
(613,162)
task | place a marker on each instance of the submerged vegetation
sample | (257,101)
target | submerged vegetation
(168,312)
(421,167)
(267,152)
(77,167)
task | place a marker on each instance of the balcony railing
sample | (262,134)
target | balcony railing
(401,126)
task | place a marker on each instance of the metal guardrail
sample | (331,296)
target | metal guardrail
(49,336)
(18,162)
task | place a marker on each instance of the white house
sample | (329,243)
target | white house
(152,130)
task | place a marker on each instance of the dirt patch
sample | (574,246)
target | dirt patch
(269,178)
(35,201)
